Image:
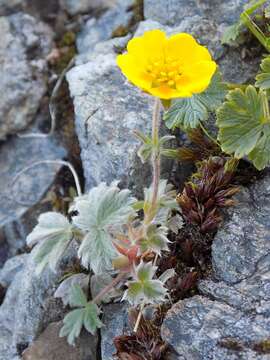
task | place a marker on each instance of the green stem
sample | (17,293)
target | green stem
(155,161)
(208,135)
(255,6)
(232,86)
(156,154)
(252,26)
(155,182)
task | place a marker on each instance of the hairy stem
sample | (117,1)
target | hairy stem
(139,318)
(109,287)
(156,154)
(155,182)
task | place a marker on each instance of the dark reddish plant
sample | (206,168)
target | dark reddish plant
(209,190)
(145,344)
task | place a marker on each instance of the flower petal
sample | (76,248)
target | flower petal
(200,75)
(148,46)
(136,74)
(165,92)
(185,48)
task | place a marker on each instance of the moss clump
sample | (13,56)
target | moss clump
(68,39)
(138,11)
(137,16)
(231,344)
(120,31)
(67,50)
(263,347)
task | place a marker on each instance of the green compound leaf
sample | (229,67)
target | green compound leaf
(244,126)
(144,288)
(155,239)
(102,210)
(260,155)
(187,113)
(77,297)
(232,33)
(263,78)
(87,315)
(52,235)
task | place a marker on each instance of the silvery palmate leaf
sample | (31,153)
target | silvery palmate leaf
(102,210)
(65,286)
(86,315)
(145,289)
(51,235)
(155,239)
(166,201)
(263,77)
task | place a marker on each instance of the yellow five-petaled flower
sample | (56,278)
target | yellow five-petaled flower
(167,68)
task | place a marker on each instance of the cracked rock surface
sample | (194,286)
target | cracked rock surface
(231,319)
(25,43)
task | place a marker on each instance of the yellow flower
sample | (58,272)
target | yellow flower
(167,67)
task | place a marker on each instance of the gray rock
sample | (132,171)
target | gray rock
(202,329)
(49,346)
(9,6)
(115,320)
(11,269)
(25,43)
(75,7)
(101,29)
(243,241)
(249,295)
(19,201)
(27,307)
(173,12)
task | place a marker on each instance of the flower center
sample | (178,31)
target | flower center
(164,72)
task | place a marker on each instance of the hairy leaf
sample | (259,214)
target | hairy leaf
(144,288)
(155,239)
(86,315)
(145,150)
(168,274)
(260,155)
(166,201)
(244,125)
(52,235)
(77,297)
(263,78)
(102,210)
(175,223)
(64,289)
(187,113)
(231,33)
